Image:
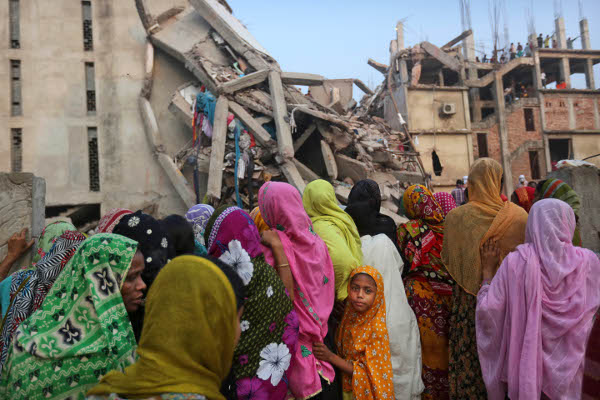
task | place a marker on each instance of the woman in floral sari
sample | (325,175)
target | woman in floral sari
(269,322)
(428,285)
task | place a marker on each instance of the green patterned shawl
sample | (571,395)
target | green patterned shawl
(80,332)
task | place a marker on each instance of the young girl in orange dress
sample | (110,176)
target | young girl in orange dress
(363,344)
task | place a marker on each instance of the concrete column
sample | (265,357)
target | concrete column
(561,36)
(400,35)
(585,44)
(469,52)
(503,132)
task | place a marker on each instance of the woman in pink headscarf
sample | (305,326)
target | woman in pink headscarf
(312,270)
(533,319)
(446,201)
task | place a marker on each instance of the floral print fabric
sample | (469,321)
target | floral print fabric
(465,377)
(363,340)
(428,285)
(81,329)
(269,324)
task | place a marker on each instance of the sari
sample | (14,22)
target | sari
(363,340)
(524,197)
(446,201)
(337,229)
(80,332)
(29,287)
(48,236)
(364,205)
(402,327)
(154,245)
(198,216)
(258,220)
(468,227)
(428,285)
(557,189)
(183,350)
(269,323)
(108,222)
(281,207)
(534,318)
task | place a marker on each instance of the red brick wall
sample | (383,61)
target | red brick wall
(517,136)
(557,112)
(584,112)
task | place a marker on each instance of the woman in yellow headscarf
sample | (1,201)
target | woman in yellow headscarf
(338,231)
(484,217)
(190,331)
(258,220)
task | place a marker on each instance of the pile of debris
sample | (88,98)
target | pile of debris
(252,124)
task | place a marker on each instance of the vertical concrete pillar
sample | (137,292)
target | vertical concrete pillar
(585,44)
(565,69)
(400,35)
(503,132)
(561,37)
(474,97)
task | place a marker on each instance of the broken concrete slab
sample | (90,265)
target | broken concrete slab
(234,33)
(329,160)
(301,79)
(307,174)
(441,56)
(351,168)
(383,68)
(244,82)
(293,176)
(261,135)
(217,155)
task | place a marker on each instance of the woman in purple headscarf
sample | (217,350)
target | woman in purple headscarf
(534,317)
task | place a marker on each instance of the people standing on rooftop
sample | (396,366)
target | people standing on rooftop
(547,42)
(540,41)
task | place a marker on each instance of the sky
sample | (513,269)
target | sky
(335,38)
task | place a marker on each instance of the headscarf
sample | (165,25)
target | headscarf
(337,229)
(533,320)
(281,207)
(363,339)
(364,204)
(402,327)
(258,220)
(111,219)
(80,332)
(29,287)
(154,245)
(422,237)
(188,339)
(446,201)
(199,215)
(525,196)
(48,236)
(484,217)
(269,322)
(557,189)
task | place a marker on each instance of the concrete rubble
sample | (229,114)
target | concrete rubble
(262,126)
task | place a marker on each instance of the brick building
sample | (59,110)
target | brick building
(461,109)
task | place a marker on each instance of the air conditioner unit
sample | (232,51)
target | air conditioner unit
(448,109)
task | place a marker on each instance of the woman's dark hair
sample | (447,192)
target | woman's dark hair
(234,279)
(181,235)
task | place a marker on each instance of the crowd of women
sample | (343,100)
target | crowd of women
(303,298)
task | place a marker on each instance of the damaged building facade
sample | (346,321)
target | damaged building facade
(160,105)
(459,109)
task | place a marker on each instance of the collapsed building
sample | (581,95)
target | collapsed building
(249,122)
(459,109)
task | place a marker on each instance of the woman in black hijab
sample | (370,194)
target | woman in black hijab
(364,203)
(154,244)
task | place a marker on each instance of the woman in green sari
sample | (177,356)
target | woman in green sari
(82,330)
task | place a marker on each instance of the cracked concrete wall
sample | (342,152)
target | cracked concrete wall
(22,205)
(55,117)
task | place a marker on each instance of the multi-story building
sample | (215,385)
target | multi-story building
(72,72)
(523,113)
